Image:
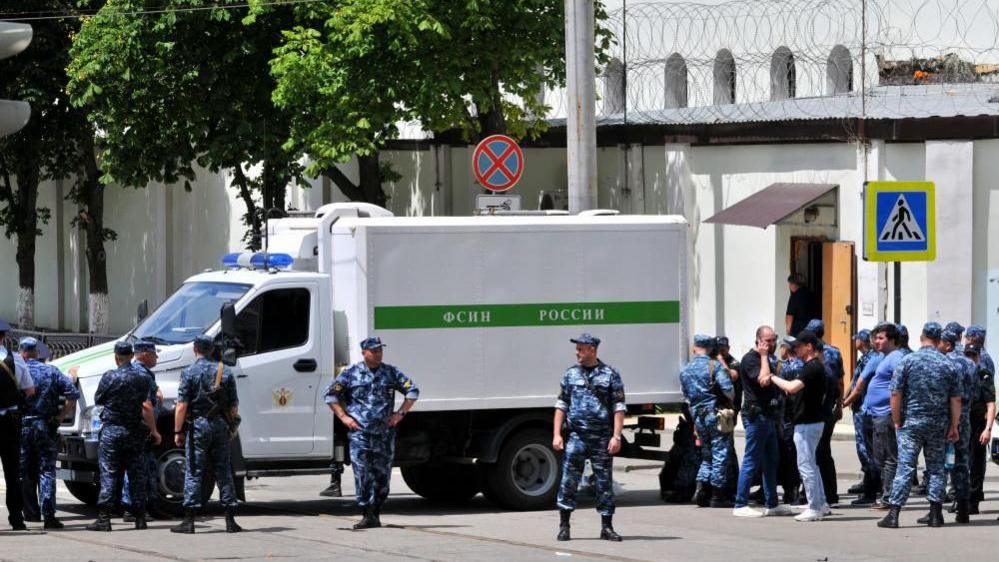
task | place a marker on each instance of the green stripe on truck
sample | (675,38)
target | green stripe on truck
(541,314)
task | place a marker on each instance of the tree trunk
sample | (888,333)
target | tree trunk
(490,113)
(369,188)
(24,205)
(251,217)
(92,220)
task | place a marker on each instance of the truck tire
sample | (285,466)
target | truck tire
(83,491)
(527,473)
(446,483)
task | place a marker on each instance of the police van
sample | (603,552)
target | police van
(478,311)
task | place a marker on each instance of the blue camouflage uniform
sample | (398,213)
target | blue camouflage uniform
(207,443)
(985,360)
(967,375)
(861,421)
(369,398)
(148,455)
(926,380)
(590,397)
(697,380)
(122,392)
(38,439)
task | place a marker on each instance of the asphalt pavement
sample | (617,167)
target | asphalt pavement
(286,519)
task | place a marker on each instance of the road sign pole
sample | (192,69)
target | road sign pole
(581,125)
(897,267)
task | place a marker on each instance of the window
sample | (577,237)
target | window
(676,82)
(188,312)
(277,319)
(782,75)
(724,74)
(839,71)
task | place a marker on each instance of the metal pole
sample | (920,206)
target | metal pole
(581,127)
(898,292)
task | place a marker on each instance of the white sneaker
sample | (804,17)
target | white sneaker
(826,510)
(746,511)
(809,515)
(780,510)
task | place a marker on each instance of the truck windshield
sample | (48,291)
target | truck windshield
(188,312)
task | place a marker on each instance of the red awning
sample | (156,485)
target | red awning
(772,205)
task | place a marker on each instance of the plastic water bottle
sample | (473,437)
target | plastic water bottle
(949,457)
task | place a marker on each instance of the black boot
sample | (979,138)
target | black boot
(936,514)
(376,515)
(925,520)
(140,520)
(858,488)
(230,522)
(128,516)
(953,507)
(187,525)
(973,508)
(103,522)
(962,512)
(53,523)
(563,525)
(863,499)
(702,497)
(891,520)
(367,521)
(607,530)
(719,499)
(333,490)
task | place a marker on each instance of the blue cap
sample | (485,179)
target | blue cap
(816,327)
(4,326)
(902,330)
(950,336)
(123,348)
(864,335)
(932,330)
(27,343)
(975,331)
(788,341)
(704,342)
(44,353)
(586,339)
(955,327)
(144,346)
(372,343)
(204,342)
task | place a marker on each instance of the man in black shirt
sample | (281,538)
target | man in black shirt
(801,306)
(760,416)
(809,421)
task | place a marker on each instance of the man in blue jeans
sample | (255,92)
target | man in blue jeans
(760,416)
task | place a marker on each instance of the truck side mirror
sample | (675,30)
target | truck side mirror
(142,311)
(228,321)
(229,357)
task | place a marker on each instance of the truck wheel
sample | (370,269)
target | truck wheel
(526,475)
(86,493)
(450,482)
(171,468)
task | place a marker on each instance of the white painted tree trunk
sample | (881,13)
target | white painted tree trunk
(26,308)
(99,310)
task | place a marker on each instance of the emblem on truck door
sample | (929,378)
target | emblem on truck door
(283,397)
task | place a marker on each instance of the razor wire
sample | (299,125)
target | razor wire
(773,60)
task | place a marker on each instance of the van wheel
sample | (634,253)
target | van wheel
(449,482)
(83,491)
(526,475)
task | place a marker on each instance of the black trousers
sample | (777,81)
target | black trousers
(886,452)
(977,459)
(787,470)
(827,466)
(10,457)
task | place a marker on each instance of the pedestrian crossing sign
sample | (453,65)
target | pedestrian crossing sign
(899,221)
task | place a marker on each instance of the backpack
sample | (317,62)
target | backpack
(678,477)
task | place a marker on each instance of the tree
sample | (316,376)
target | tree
(351,70)
(189,86)
(49,147)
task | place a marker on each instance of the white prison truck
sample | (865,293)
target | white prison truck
(477,310)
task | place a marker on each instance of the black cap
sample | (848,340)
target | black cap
(972,349)
(807,337)
(123,348)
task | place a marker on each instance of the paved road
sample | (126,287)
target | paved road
(285,519)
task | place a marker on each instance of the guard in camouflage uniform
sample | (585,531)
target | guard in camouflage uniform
(362,397)
(926,410)
(960,473)
(958,329)
(976,335)
(38,444)
(591,405)
(208,435)
(144,361)
(124,395)
(702,380)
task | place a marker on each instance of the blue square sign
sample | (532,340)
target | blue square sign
(899,221)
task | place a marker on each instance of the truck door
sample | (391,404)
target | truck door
(278,373)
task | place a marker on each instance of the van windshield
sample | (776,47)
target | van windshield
(188,312)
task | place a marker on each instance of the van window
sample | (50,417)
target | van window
(275,320)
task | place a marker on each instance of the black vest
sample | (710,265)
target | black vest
(10,394)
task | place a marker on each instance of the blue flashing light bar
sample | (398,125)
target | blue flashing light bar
(258,260)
